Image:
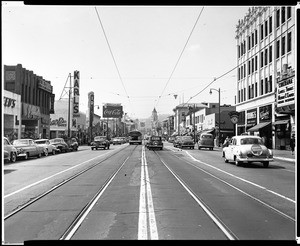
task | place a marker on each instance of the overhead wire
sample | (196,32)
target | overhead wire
(179,57)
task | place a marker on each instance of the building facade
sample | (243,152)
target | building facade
(37,100)
(266,74)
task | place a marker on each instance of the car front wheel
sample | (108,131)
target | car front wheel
(265,163)
(39,155)
(45,152)
(237,163)
(13,157)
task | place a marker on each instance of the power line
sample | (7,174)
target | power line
(180,56)
(112,54)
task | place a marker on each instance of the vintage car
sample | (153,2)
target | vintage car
(186,142)
(60,144)
(171,139)
(176,141)
(10,152)
(248,149)
(48,147)
(27,148)
(155,142)
(100,142)
(117,140)
(146,140)
(73,144)
(206,140)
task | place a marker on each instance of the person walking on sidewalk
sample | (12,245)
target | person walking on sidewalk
(292,143)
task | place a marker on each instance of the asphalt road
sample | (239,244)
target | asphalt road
(143,194)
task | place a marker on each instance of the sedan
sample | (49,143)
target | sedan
(60,144)
(10,152)
(27,148)
(247,149)
(186,142)
(100,142)
(48,147)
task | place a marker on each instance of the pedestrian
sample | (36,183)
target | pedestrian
(292,143)
(226,142)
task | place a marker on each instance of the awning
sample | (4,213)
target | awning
(258,126)
(281,122)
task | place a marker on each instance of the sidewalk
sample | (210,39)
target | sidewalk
(285,155)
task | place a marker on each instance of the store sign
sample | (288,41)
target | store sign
(112,111)
(252,117)
(44,85)
(286,92)
(91,107)
(9,102)
(30,112)
(58,122)
(76,95)
(265,113)
(51,109)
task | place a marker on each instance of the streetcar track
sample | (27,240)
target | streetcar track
(236,188)
(33,200)
(218,222)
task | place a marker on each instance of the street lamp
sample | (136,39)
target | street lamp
(219,91)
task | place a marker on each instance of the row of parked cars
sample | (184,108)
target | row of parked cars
(25,148)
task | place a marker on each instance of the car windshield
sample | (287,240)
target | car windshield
(187,138)
(40,141)
(206,136)
(20,141)
(251,141)
(99,138)
(55,140)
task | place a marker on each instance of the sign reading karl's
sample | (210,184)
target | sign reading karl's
(76,95)
(111,110)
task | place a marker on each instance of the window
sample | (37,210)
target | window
(238,51)
(249,43)
(289,42)
(255,89)
(266,85)
(244,93)
(249,65)
(270,24)
(244,46)
(238,73)
(266,28)
(288,12)
(262,87)
(277,49)
(270,53)
(249,92)
(255,36)
(261,59)
(255,63)
(282,14)
(252,67)
(261,32)
(252,37)
(270,83)
(277,17)
(239,96)
(242,68)
(266,56)
(282,46)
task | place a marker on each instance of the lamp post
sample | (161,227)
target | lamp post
(219,91)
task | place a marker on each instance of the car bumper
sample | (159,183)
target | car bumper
(154,146)
(251,159)
(21,155)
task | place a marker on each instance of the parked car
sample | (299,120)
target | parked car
(206,140)
(27,148)
(117,141)
(10,152)
(48,147)
(155,142)
(146,140)
(100,142)
(171,139)
(247,149)
(176,141)
(73,144)
(186,142)
(60,144)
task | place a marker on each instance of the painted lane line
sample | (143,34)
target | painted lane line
(152,221)
(146,208)
(40,181)
(230,235)
(244,180)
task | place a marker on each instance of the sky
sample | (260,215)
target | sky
(147,55)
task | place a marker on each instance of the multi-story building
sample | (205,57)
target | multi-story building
(37,100)
(265,74)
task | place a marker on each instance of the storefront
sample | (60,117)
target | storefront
(11,115)
(241,125)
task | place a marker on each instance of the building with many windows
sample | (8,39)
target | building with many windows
(266,74)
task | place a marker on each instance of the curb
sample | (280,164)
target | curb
(284,159)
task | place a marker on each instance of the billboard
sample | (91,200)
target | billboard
(76,95)
(112,111)
(91,107)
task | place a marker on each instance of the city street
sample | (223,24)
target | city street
(130,192)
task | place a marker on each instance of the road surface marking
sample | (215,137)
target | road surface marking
(146,208)
(244,180)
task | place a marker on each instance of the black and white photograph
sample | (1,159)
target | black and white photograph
(148,122)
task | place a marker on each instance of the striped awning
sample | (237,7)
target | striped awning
(258,126)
